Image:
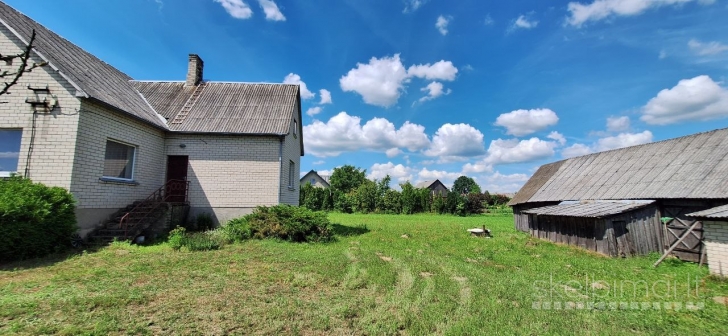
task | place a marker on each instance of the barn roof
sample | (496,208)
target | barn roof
(247,108)
(694,166)
(91,77)
(720,212)
(592,209)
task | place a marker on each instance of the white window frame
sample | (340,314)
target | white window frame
(291,170)
(295,127)
(133,161)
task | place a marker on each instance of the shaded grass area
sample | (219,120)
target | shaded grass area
(385,274)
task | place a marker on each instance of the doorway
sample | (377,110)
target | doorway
(176,182)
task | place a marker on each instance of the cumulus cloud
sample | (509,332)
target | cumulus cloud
(525,122)
(602,9)
(382,81)
(575,150)
(413,5)
(698,98)
(514,151)
(558,137)
(271,10)
(434,90)
(312,111)
(319,162)
(325,97)
(442,70)
(392,152)
(444,176)
(617,124)
(292,78)
(344,133)
(707,48)
(502,183)
(478,167)
(236,8)
(397,172)
(623,140)
(456,141)
(488,20)
(442,23)
(523,22)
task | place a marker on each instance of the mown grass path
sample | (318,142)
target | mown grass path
(411,275)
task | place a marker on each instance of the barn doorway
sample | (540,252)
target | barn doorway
(176,182)
(676,224)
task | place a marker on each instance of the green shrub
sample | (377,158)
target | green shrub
(296,224)
(35,219)
(236,230)
(197,241)
(204,222)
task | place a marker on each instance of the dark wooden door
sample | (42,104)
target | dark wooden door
(690,248)
(176,190)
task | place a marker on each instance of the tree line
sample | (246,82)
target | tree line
(350,191)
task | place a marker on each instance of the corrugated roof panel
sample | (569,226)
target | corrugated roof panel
(719,212)
(590,210)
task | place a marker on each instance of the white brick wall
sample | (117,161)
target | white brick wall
(716,242)
(55,136)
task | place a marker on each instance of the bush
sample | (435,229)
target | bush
(237,230)
(35,219)
(296,224)
(204,222)
(197,241)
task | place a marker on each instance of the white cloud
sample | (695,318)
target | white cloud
(442,23)
(312,111)
(705,49)
(445,177)
(575,150)
(488,20)
(323,173)
(319,162)
(413,5)
(623,140)
(698,98)
(272,13)
(478,167)
(499,183)
(296,79)
(514,151)
(392,152)
(617,124)
(380,82)
(398,172)
(236,8)
(460,140)
(434,90)
(601,9)
(9,155)
(523,22)
(662,54)
(344,133)
(442,70)
(558,137)
(325,97)
(524,122)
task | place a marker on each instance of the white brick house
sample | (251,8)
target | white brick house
(715,230)
(81,124)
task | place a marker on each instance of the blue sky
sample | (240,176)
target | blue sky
(425,89)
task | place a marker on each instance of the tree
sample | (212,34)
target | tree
(465,185)
(22,68)
(347,178)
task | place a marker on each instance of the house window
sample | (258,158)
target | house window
(313,181)
(119,160)
(291,171)
(9,151)
(295,127)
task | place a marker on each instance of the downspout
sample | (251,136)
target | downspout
(280,167)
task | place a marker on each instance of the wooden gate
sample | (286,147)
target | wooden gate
(691,248)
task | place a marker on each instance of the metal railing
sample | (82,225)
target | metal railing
(175,191)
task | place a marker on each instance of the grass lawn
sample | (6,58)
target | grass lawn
(373,280)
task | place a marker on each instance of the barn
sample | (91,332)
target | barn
(715,221)
(677,176)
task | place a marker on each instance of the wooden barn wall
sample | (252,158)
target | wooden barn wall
(691,248)
(520,219)
(640,233)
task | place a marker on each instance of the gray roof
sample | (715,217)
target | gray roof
(720,212)
(694,166)
(241,108)
(324,179)
(92,77)
(592,209)
(424,184)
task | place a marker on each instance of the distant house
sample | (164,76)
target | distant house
(81,124)
(316,180)
(681,176)
(715,230)
(436,187)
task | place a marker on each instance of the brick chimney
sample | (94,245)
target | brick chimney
(194,70)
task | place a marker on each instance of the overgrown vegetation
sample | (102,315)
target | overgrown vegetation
(351,191)
(35,219)
(373,280)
